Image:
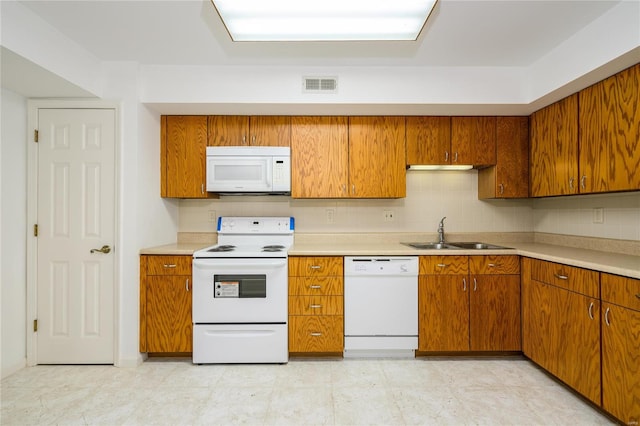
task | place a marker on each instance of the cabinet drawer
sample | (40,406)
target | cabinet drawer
(315,305)
(444,265)
(621,291)
(494,264)
(316,286)
(305,266)
(316,333)
(583,281)
(169,265)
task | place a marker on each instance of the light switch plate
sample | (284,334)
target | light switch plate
(598,215)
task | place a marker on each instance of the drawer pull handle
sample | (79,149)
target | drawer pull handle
(187,284)
(591,310)
(606,317)
(170,265)
(315,306)
(315,266)
(315,287)
(475,285)
(464,284)
(442,265)
(561,277)
(316,334)
(492,265)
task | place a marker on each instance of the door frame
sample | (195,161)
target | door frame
(33,106)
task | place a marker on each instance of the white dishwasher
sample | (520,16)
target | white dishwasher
(380,306)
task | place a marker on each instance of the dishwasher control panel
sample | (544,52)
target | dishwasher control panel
(381,265)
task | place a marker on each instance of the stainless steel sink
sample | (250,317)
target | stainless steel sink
(431,246)
(477,246)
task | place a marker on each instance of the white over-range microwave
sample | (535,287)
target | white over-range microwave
(249,170)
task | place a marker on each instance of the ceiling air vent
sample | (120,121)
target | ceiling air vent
(319,84)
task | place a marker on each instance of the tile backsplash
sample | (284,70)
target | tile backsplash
(576,216)
(430,196)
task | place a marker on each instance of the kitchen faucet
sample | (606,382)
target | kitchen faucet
(441,231)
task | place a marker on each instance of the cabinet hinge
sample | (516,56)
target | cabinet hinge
(35,230)
(35,135)
(35,325)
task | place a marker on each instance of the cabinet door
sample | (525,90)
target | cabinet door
(443,302)
(168,314)
(228,130)
(575,339)
(473,140)
(620,364)
(609,133)
(183,156)
(554,149)
(268,130)
(495,313)
(319,157)
(509,178)
(428,140)
(536,322)
(377,166)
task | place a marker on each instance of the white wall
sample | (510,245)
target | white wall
(574,215)
(13,228)
(145,219)
(430,196)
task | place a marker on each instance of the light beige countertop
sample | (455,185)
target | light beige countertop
(388,244)
(175,249)
(614,263)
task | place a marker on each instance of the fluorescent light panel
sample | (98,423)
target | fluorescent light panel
(440,167)
(324,20)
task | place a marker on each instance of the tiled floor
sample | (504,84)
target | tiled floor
(432,391)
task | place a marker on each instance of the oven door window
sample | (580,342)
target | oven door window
(240,286)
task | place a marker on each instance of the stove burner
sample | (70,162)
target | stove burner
(226,247)
(273,248)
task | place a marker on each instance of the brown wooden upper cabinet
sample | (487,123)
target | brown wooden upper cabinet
(377,157)
(610,133)
(473,141)
(241,130)
(183,144)
(428,140)
(553,158)
(509,178)
(319,157)
(348,157)
(433,140)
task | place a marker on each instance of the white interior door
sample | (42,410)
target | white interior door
(76,215)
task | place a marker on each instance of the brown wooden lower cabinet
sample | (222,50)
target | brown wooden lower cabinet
(561,330)
(621,347)
(462,312)
(316,304)
(165,304)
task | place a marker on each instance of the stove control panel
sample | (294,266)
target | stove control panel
(255,225)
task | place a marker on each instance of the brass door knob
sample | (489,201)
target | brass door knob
(104,249)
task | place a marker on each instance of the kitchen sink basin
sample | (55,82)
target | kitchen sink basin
(431,246)
(476,246)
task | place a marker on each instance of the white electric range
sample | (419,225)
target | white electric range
(240,292)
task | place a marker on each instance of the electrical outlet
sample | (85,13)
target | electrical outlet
(598,215)
(212,216)
(331,215)
(389,215)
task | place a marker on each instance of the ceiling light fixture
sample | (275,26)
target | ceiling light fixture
(325,20)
